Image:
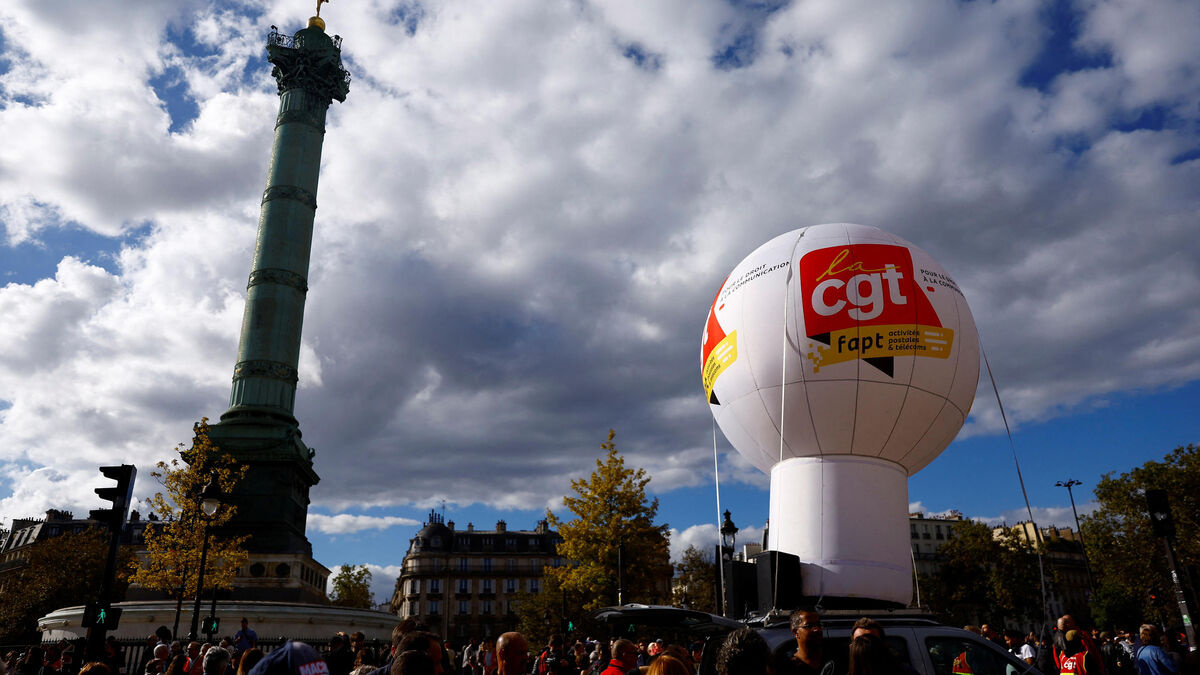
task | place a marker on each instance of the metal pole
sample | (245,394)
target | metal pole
(1179,597)
(1079,532)
(194,632)
(620,573)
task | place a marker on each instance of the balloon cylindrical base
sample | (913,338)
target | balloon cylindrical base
(846,518)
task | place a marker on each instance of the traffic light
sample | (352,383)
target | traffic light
(101,615)
(120,495)
(1160,513)
(211,625)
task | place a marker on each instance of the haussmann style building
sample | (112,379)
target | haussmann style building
(464,583)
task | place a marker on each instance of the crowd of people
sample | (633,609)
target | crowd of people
(414,649)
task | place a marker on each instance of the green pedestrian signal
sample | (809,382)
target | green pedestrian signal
(211,625)
(96,615)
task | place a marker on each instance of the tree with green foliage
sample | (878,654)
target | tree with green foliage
(173,544)
(613,538)
(1128,561)
(695,582)
(58,572)
(352,587)
(984,576)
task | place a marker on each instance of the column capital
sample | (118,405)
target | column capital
(309,60)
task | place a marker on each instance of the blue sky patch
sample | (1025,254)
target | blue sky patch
(1153,118)
(641,58)
(1184,157)
(409,16)
(1059,54)
(31,261)
(171,88)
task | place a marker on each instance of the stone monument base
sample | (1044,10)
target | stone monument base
(271,620)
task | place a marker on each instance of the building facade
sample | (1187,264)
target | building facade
(465,583)
(1066,567)
(927,534)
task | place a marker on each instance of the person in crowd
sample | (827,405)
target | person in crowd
(195,664)
(32,663)
(95,668)
(216,661)
(339,658)
(450,656)
(809,658)
(1150,658)
(602,656)
(579,656)
(512,653)
(245,638)
(865,626)
(178,666)
(665,664)
(624,658)
(158,663)
(469,657)
(1018,647)
(553,661)
(147,652)
(422,641)
(413,662)
(744,652)
(869,655)
(114,655)
(1077,659)
(487,657)
(248,660)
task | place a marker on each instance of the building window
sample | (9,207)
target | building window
(435,585)
(462,541)
(414,586)
(912,531)
(511,564)
(464,586)
(435,607)
(462,564)
(511,607)
(436,542)
(510,544)
(485,607)
(487,586)
(487,543)
(510,586)
(535,586)
(464,607)
(487,564)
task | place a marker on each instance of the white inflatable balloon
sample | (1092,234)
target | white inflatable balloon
(841,359)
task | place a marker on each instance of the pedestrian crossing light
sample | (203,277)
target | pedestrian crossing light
(96,615)
(211,625)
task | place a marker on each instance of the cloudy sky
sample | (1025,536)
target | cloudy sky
(526,208)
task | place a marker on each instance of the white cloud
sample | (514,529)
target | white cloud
(706,538)
(345,523)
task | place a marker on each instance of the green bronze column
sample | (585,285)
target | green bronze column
(309,71)
(260,429)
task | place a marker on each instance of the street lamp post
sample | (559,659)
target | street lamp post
(210,501)
(725,562)
(1069,483)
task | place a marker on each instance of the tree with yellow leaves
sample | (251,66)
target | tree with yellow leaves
(173,545)
(612,542)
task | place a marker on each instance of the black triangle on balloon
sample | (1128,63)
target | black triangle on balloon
(886,364)
(712,398)
(823,338)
